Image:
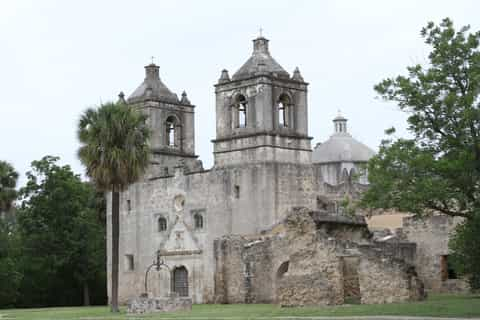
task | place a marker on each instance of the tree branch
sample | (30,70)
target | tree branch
(447,211)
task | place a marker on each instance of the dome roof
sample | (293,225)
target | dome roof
(341,147)
(260,61)
(152,88)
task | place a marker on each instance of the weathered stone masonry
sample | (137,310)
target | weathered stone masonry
(252,269)
(431,235)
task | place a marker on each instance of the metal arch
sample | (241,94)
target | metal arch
(159,263)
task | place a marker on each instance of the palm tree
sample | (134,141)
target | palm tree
(114,149)
(8,181)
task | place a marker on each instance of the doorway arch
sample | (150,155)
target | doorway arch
(180,281)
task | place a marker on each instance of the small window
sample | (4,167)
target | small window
(198,218)
(129,205)
(162,224)
(237,192)
(165,171)
(129,262)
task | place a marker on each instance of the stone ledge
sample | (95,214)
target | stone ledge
(142,305)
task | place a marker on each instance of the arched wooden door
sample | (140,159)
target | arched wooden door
(180,281)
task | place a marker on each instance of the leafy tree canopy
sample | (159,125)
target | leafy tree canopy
(114,145)
(10,275)
(8,181)
(439,168)
(63,243)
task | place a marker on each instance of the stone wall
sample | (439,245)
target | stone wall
(172,303)
(248,269)
(386,279)
(431,235)
(302,264)
(315,276)
(230,270)
(402,250)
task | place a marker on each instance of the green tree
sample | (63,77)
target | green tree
(8,181)
(438,170)
(62,241)
(10,275)
(465,252)
(114,149)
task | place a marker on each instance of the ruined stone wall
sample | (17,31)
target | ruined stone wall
(258,259)
(401,250)
(384,279)
(381,283)
(245,269)
(341,226)
(229,270)
(248,271)
(431,235)
(303,265)
(315,276)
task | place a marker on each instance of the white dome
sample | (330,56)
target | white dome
(341,147)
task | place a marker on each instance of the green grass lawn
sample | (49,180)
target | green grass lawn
(466,306)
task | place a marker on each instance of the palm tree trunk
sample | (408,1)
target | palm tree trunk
(115,242)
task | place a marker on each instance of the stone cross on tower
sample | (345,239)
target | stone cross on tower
(152,57)
(260,32)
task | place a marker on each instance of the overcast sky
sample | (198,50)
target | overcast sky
(59,57)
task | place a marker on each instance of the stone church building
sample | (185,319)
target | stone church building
(264,168)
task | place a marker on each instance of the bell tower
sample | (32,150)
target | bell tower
(172,123)
(262,113)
